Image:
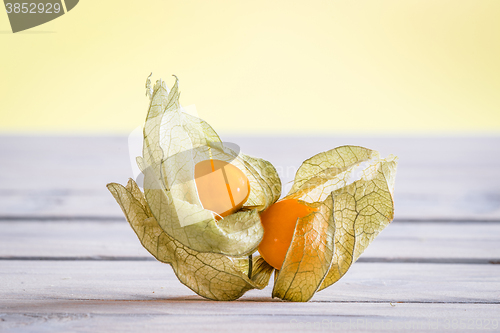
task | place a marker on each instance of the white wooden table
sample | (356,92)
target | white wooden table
(70,262)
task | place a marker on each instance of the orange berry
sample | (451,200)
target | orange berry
(222,187)
(279,224)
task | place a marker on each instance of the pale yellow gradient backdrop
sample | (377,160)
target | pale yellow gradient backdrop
(260,67)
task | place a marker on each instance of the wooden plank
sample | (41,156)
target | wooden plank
(417,205)
(79,239)
(117,239)
(240,316)
(437,240)
(452,178)
(60,203)
(107,296)
(194,316)
(149,280)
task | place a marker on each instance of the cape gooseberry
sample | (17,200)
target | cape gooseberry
(279,224)
(222,187)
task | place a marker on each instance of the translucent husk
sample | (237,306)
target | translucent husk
(350,187)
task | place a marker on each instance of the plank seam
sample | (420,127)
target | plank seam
(452,261)
(38,218)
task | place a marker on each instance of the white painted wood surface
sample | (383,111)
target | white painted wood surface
(412,240)
(145,280)
(440,178)
(187,315)
(70,263)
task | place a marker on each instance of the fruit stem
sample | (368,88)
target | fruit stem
(250,263)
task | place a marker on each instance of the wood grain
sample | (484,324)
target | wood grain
(241,316)
(438,178)
(87,239)
(132,280)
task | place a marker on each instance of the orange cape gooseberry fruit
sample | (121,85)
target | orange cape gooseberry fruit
(279,224)
(222,187)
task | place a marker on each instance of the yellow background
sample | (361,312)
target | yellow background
(260,67)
